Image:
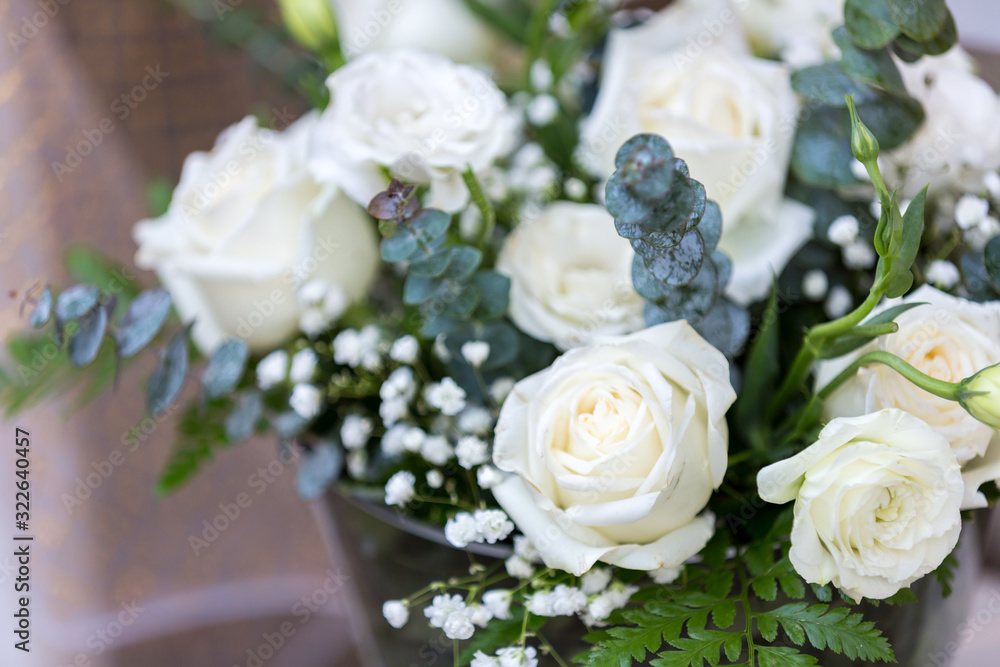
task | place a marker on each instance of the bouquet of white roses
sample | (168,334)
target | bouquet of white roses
(553,296)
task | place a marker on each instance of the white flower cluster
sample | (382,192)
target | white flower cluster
(321,304)
(457,619)
(481,526)
(511,656)
(521,564)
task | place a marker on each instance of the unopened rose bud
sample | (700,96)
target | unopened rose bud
(980,395)
(864,145)
(310,22)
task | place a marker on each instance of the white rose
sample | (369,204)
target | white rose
(798,31)
(571,276)
(959,141)
(729,115)
(949,339)
(616,449)
(877,503)
(247,225)
(417,114)
(441,26)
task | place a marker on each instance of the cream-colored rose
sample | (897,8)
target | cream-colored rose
(729,115)
(615,450)
(797,31)
(246,227)
(440,26)
(949,339)
(416,114)
(959,140)
(877,503)
(571,276)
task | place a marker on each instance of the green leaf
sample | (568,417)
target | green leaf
(168,377)
(837,629)
(87,266)
(945,573)
(783,656)
(460,304)
(429,224)
(464,261)
(200,432)
(43,309)
(141,321)
(159,192)
(874,67)
(431,266)
(240,423)
(318,470)
(495,289)
(623,204)
(913,227)
(225,367)
(762,367)
(829,84)
(937,45)
(850,342)
(991,261)
(869,23)
(399,246)
(418,290)
(733,647)
(702,646)
(725,327)
(919,19)
(821,154)
(509,19)
(86,342)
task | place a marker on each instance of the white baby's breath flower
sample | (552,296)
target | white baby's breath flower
(458,626)
(471,451)
(399,385)
(392,442)
(272,369)
(519,568)
(436,449)
(493,525)
(575,189)
(970,211)
(476,352)
(306,400)
(355,431)
(446,396)
(441,349)
(414,439)
(480,659)
(542,110)
(480,615)
(303,366)
(357,463)
(665,575)
(838,302)
(396,612)
(392,412)
(815,284)
(462,530)
(488,477)
(859,255)
(518,656)
(498,602)
(405,350)
(942,274)
(991,181)
(524,548)
(595,581)
(353,348)
(500,388)
(313,322)
(541,75)
(475,420)
(400,489)
(615,597)
(442,607)
(435,479)
(843,231)
(568,600)
(539,604)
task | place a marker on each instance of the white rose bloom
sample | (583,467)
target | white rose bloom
(959,141)
(949,339)
(420,115)
(442,26)
(246,226)
(571,276)
(729,115)
(616,449)
(877,503)
(796,30)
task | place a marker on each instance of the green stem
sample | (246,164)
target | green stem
(481,201)
(748,612)
(536,29)
(550,649)
(455,652)
(940,388)
(524,627)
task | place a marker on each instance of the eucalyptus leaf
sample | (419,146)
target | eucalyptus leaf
(679,208)
(645,284)
(829,84)
(710,226)
(874,67)
(141,321)
(495,289)
(937,45)
(723,269)
(919,19)
(464,261)
(991,262)
(869,23)
(241,422)
(318,469)
(624,205)
(762,366)
(399,246)
(168,377)
(432,266)
(430,223)
(43,309)
(418,290)
(645,164)
(504,343)
(680,264)
(693,301)
(821,154)
(86,342)
(225,367)
(726,327)
(76,302)
(462,303)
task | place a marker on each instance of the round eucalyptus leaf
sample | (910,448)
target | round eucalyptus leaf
(919,19)
(225,367)
(168,377)
(141,321)
(240,423)
(43,309)
(693,301)
(991,261)
(869,23)
(680,264)
(76,302)
(710,225)
(430,223)
(623,204)
(399,246)
(86,342)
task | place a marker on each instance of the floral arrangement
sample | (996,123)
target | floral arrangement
(538,273)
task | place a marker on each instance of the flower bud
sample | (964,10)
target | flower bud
(980,395)
(310,22)
(864,145)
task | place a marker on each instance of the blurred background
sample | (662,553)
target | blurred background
(120,577)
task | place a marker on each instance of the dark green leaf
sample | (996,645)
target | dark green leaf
(874,67)
(783,656)
(200,432)
(821,154)
(168,377)
(86,266)
(86,342)
(461,304)
(76,302)
(913,227)
(761,366)
(318,470)
(935,46)
(893,119)
(829,84)
(241,421)
(504,345)
(991,261)
(464,261)
(919,19)
(418,290)
(684,205)
(839,629)
(689,302)
(225,367)
(495,289)
(142,321)
(43,309)
(869,23)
